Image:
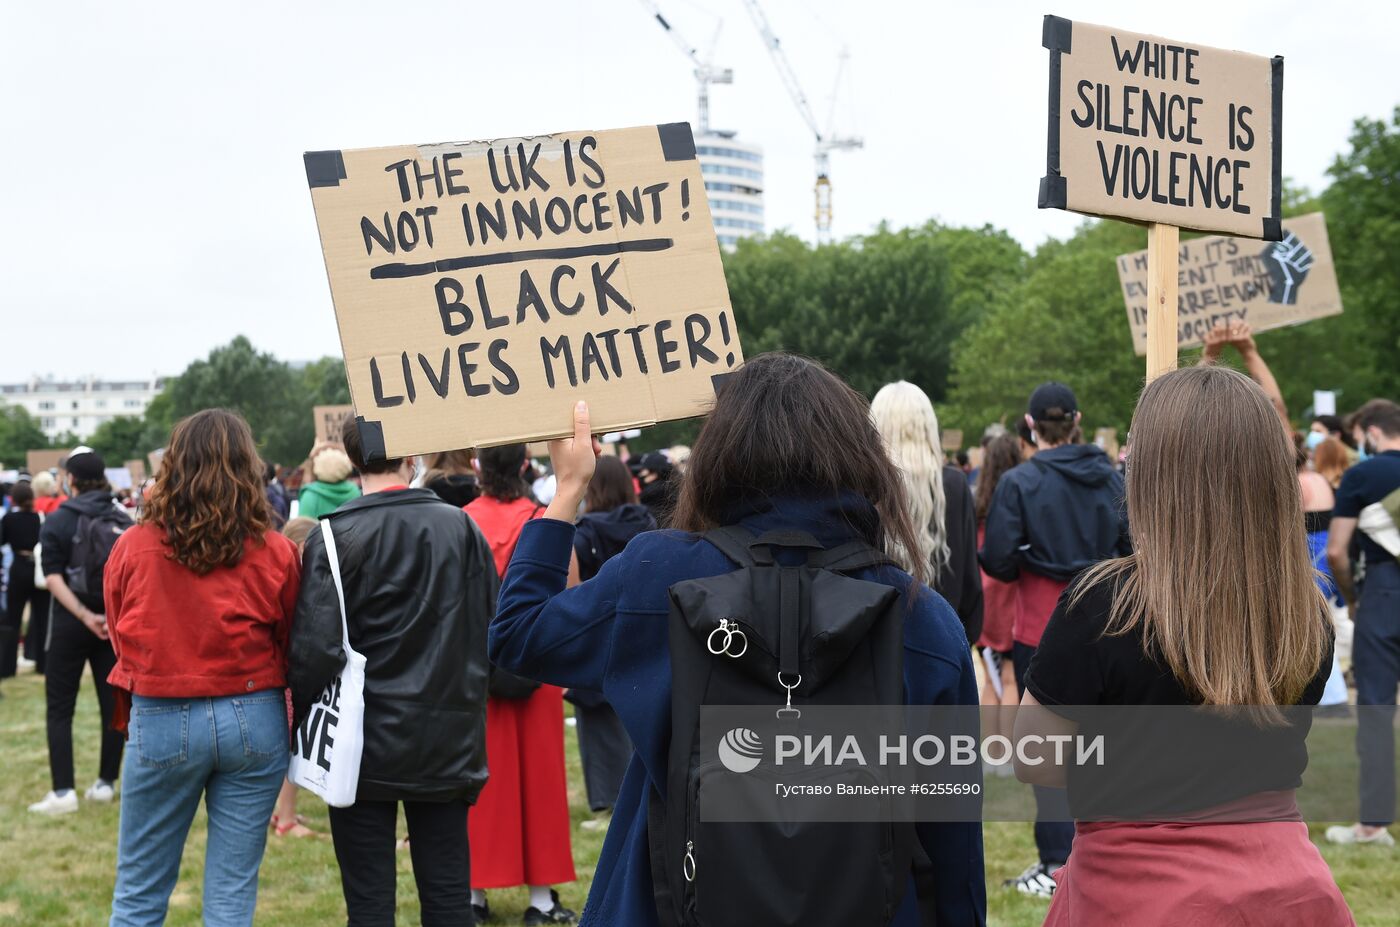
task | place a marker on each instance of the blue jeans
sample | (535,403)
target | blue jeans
(232,751)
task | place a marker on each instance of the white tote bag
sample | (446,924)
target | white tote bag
(330,741)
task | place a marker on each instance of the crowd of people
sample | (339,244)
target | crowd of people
(1223,559)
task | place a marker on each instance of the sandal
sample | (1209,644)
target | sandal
(296,827)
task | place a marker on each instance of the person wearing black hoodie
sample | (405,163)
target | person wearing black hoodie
(1051,517)
(612,517)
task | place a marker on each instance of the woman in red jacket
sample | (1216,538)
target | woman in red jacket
(200,597)
(520,824)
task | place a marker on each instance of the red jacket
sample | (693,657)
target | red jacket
(500,522)
(179,635)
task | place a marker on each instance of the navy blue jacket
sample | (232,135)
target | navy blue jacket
(1055,515)
(610,634)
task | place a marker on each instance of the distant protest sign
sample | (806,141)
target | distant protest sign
(1156,130)
(329,421)
(481,287)
(44,460)
(952,439)
(137,468)
(1223,280)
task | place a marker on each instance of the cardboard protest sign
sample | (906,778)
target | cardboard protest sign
(154,458)
(482,287)
(1223,280)
(1324,402)
(119,477)
(329,420)
(1107,441)
(1156,130)
(137,468)
(952,439)
(47,459)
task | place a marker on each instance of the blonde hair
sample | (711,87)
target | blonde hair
(298,529)
(332,466)
(908,426)
(44,484)
(1220,579)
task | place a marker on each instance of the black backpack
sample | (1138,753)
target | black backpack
(823,638)
(93,541)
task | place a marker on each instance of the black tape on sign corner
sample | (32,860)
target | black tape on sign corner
(371,438)
(1056,33)
(324,168)
(677,143)
(1273,229)
(1276,83)
(1053,191)
(718,380)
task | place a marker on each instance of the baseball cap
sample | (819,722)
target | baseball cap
(1049,396)
(85,464)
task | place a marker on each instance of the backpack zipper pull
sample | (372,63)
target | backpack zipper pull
(732,637)
(688,864)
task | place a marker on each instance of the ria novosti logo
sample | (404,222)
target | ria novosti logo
(740,750)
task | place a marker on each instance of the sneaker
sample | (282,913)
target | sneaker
(102,791)
(1350,836)
(599,823)
(55,804)
(1038,880)
(557,914)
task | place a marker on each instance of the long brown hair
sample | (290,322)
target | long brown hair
(611,486)
(785,425)
(1220,579)
(1002,454)
(208,496)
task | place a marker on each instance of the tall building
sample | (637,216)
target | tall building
(733,172)
(78,407)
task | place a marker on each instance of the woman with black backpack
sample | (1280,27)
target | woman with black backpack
(784,455)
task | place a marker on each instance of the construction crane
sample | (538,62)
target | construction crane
(828,141)
(706,73)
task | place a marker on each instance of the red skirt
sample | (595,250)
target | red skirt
(519,826)
(999,613)
(1196,875)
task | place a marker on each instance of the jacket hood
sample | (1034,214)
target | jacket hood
(89,503)
(333,492)
(618,525)
(1084,464)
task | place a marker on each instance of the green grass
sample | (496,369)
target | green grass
(60,871)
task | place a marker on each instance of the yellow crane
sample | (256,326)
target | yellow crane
(826,142)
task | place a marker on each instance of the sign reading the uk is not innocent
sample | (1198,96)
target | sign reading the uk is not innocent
(481,286)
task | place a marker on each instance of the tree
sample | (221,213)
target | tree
(19,434)
(1065,320)
(121,439)
(258,386)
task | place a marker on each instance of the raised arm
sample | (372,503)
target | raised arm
(1241,336)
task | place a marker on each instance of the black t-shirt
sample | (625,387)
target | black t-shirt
(20,530)
(1368,482)
(1157,762)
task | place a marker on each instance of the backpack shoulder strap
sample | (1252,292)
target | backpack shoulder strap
(733,542)
(850,557)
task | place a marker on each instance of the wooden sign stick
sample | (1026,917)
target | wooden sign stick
(1163,256)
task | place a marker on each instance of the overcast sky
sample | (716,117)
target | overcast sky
(155,204)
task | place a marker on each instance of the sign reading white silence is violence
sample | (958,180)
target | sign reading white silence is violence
(1156,130)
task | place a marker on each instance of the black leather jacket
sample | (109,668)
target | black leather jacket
(420,591)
